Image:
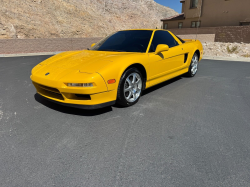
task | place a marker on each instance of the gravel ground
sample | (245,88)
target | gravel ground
(220,49)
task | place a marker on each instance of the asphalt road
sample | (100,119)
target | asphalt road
(186,132)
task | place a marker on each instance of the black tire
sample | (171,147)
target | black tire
(191,73)
(121,93)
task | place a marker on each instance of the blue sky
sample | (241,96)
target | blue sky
(174,4)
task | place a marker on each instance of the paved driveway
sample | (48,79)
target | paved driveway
(186,132)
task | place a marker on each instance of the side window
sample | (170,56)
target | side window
(162,37)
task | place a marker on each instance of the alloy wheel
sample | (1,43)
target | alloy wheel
(132,87)
(194,64)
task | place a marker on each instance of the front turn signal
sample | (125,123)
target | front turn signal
(111,81)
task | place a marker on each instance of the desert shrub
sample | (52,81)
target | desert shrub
(232,50)
(246,55)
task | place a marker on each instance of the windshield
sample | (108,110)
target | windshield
(125,41)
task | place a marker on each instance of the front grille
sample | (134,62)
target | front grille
(54,90)
(73,96)
(83,97)
(48,91)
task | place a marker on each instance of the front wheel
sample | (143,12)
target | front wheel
(193,68)
(130,87)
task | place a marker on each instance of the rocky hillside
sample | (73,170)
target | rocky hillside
(77,18)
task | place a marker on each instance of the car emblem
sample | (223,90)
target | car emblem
(47,74)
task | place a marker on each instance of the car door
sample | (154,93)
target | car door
(167,62)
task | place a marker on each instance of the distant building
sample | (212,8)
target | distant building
(210,13)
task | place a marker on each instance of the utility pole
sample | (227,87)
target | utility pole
(199,20)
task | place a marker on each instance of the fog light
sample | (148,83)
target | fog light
(79,84)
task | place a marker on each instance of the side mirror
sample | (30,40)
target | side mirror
(93,44)
(160,48)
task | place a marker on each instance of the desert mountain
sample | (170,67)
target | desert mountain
(77,18)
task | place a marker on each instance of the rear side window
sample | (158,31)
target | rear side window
(162,37)
(182,41)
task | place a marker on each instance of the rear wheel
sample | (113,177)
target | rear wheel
(130,87)
(193,68)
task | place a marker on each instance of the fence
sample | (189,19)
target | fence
(229,34)
(218,34)
(13,46)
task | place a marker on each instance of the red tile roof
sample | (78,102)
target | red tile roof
(176,17)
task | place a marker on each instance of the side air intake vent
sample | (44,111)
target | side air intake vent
(186,57)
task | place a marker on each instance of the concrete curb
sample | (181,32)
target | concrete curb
(226,58)
(30,54)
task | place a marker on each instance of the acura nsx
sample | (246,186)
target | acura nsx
(116,69)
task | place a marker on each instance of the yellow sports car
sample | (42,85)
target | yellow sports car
(116,69)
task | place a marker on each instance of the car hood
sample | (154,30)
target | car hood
(71,63)
(84,61)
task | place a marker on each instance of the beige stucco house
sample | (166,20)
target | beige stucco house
(210,13)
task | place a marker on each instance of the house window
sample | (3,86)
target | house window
(165,26)
(180,25)
(194,3)
(198,24)
(195,24)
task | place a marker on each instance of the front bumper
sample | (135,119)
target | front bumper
(85,107)
(85,98)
